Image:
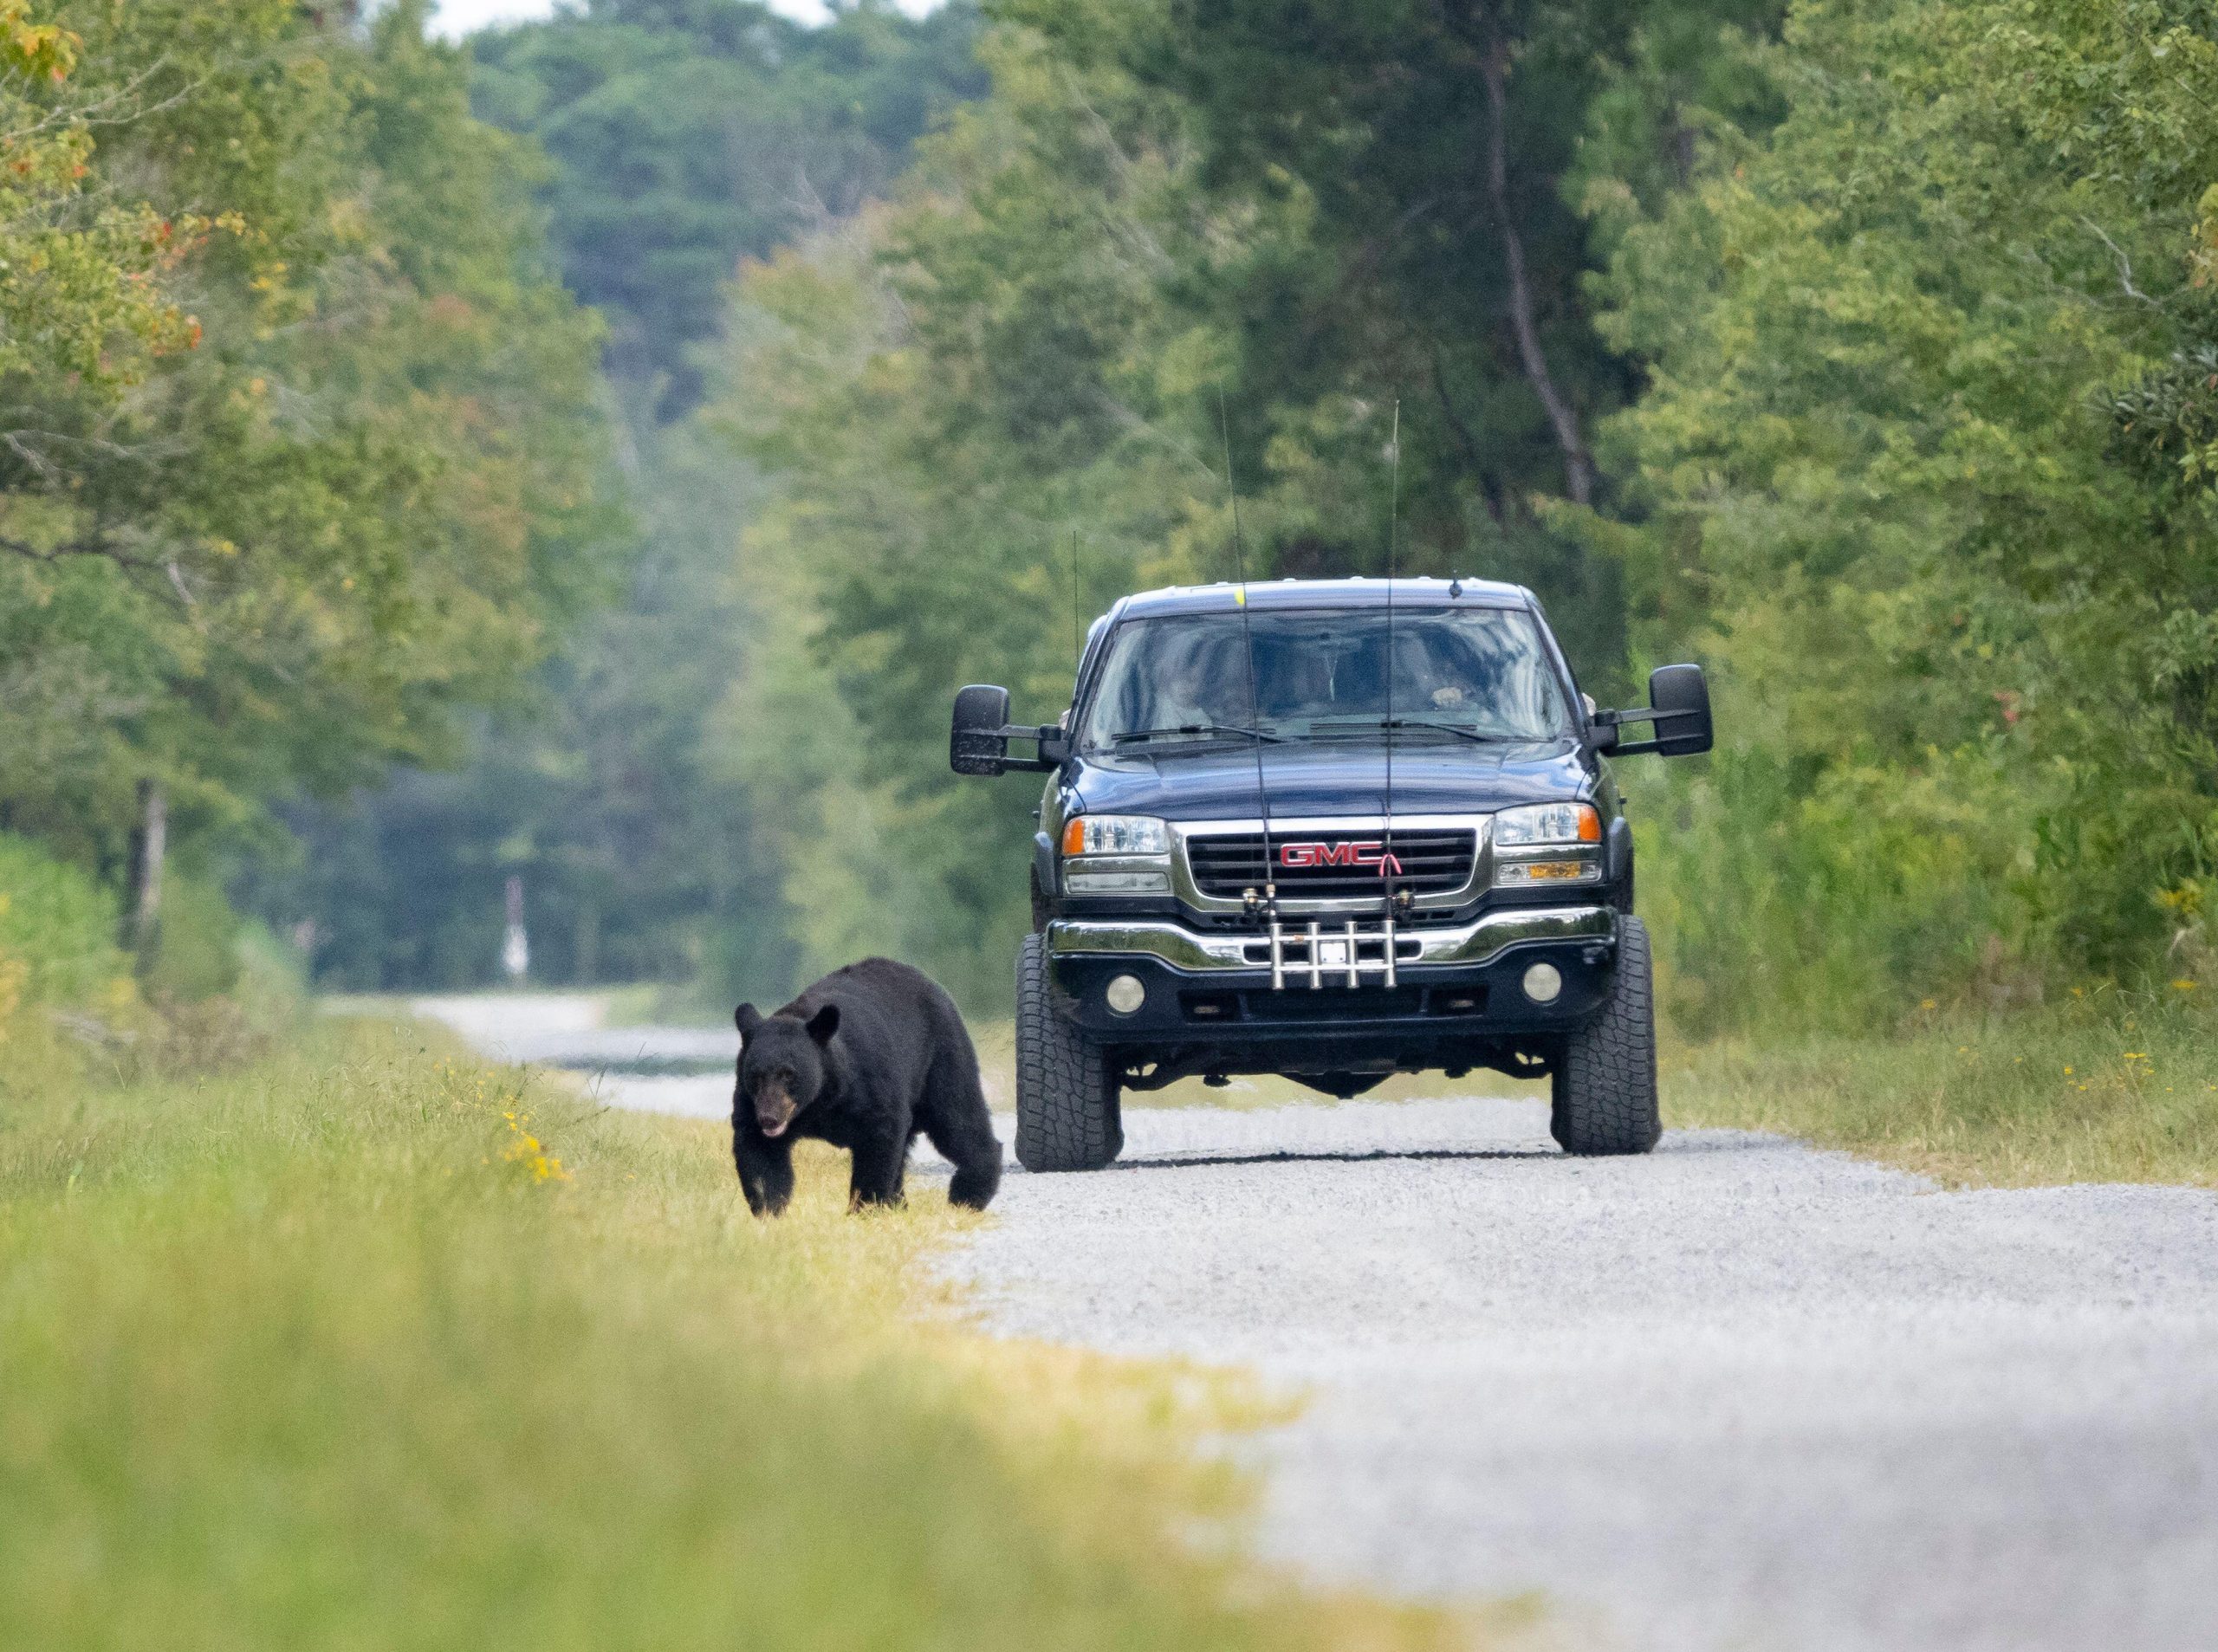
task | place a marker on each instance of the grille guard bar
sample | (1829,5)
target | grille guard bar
(1477,943)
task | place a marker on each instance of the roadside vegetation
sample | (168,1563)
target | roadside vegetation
(363,1343)
(1863,353)
(2109,1086)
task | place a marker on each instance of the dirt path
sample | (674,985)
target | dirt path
(1737,1395)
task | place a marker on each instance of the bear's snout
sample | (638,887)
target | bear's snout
(774,1108)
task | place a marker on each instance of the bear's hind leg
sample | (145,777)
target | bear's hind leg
(978,1170)
(958,1125)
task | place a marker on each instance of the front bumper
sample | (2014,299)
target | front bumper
(1215,987)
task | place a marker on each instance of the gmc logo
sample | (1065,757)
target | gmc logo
(1362,852)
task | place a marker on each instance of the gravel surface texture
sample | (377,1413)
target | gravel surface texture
(1737,1394)
(682,1069)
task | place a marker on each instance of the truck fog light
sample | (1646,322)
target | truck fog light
(1126,994)
(1543,981)
(1116,883)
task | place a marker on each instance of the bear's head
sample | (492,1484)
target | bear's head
(783,1064)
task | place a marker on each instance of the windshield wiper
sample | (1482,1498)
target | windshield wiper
(1133,735)
(1474,734)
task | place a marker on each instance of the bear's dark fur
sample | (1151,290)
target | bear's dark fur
(865,1059)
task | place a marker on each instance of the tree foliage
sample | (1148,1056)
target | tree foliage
(303,448)
(685,137)
(1175,240)
(689,134)
(1927,445)
(1872,357)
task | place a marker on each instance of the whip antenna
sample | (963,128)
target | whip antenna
(1078,609)
(1270,898)
(1390,866)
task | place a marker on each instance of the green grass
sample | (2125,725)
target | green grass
(368,1347)
(2105,1086)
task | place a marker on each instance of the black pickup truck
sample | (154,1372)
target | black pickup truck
(1336,830)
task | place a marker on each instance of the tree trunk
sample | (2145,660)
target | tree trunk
(585,963)
(149,848)
(1578,463)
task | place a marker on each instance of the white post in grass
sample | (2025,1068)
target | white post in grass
(516,948)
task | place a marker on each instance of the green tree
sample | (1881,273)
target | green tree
(1927,447)
(685,139)
(691,134)
(362,497)
(1170,229)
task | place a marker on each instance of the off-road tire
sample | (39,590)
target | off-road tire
(1604,1088)
(1067,1112)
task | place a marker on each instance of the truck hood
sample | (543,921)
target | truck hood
(1431,776)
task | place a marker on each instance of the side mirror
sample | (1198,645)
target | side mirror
(1678,706)
(978,743)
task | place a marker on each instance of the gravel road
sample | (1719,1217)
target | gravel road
(1737,1395)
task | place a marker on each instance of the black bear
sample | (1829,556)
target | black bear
(865,1060)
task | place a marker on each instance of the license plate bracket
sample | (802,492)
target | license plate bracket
(1341,954)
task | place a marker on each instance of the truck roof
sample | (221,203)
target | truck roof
(1320,593)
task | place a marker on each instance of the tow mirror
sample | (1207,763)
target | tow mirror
(979,742)
(1678,708)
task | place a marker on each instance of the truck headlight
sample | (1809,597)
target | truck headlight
(1543,845)
(1115,834)
(1539,823)
(1116,854)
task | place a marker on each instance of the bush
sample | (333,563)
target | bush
(1786,904)
(218,993)
(196,954)
(57,932)
(57,951)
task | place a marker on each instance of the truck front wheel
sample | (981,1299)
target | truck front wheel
(1067,1116)
(1604,1089)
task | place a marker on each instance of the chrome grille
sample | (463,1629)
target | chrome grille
(1433,861)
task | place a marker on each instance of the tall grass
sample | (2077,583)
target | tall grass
(370,1348)
(2104,1085)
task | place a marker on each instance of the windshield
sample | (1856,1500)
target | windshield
(1477,673)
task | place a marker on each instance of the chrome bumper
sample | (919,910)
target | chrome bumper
(1477,943)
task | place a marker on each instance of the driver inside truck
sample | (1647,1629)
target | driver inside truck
(1189,688)
(1424,682)
(1296,675)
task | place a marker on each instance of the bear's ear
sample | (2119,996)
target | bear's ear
(824,1023)
(747,1018)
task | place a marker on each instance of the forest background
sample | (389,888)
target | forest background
(595,454)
